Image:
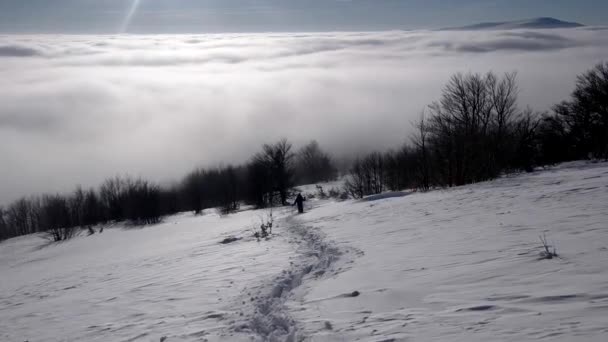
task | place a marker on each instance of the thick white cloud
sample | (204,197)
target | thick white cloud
(76,109)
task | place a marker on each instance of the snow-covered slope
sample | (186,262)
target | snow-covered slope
(174,279)
(448,265)
(462,264)
(536,23)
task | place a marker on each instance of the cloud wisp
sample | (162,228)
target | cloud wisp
(76,109)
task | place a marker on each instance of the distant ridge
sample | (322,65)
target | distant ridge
(536,23)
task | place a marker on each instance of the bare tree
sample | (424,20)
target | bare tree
(56,216)
(313,165)
(92,209)
(229,190)
(367,176)
(277,158)
(525,132)
(585,115)
(192,190)
(259,183)
(4,232)
(76,207)
(420,141)
(18,217)
(141,202)
(111,194)
(471,131)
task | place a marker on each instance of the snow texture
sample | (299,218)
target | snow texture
(448,265)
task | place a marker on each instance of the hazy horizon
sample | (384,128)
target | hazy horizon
(79,107)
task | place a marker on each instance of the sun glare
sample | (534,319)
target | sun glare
(130,13)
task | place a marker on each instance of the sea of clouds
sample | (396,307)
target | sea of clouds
(77,109)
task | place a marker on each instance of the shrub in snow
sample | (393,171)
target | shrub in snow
(547,253)
(265,227)
(320,193)
(337,194)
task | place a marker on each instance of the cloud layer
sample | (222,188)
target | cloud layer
(76,109)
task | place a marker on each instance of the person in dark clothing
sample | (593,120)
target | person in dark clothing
(300,203)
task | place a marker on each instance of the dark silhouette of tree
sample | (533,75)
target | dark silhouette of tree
(142,202)
(92,211)
(111,194)
(367,176)
(4,232)
(229,190)
(553,141)
(313,165)
(76,207)
(56,218)
(192,190)
(585,115)
(18,217)
(476,131)
(259,183)
(525,139)
(277,160)
(422,155)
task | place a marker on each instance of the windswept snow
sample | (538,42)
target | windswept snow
(174,279)
(448,265)
(462,264)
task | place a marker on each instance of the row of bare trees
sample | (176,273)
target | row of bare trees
(264,181)
(476,131)
(579,126)
(117,199)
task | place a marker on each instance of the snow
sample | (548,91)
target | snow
(462,264)
(448,265)
(174,279)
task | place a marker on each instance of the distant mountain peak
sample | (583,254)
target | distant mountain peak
(535,23)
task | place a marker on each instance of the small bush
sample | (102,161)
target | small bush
(547,252)
(265,227)
(320,193)
(337,194)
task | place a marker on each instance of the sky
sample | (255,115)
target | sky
(204,16)
(79,108)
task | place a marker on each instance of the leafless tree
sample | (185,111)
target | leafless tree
(278,159)
(585,115)
(111,195)
(471,130)
(367,176)
(313,165)
(421,144)
(56,218)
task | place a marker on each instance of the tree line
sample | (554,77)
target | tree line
(263,181)
(474,132)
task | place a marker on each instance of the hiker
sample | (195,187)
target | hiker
(300,202)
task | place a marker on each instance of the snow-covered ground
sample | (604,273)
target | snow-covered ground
(449,265)
(174,279)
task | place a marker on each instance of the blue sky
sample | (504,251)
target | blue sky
(198,16)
